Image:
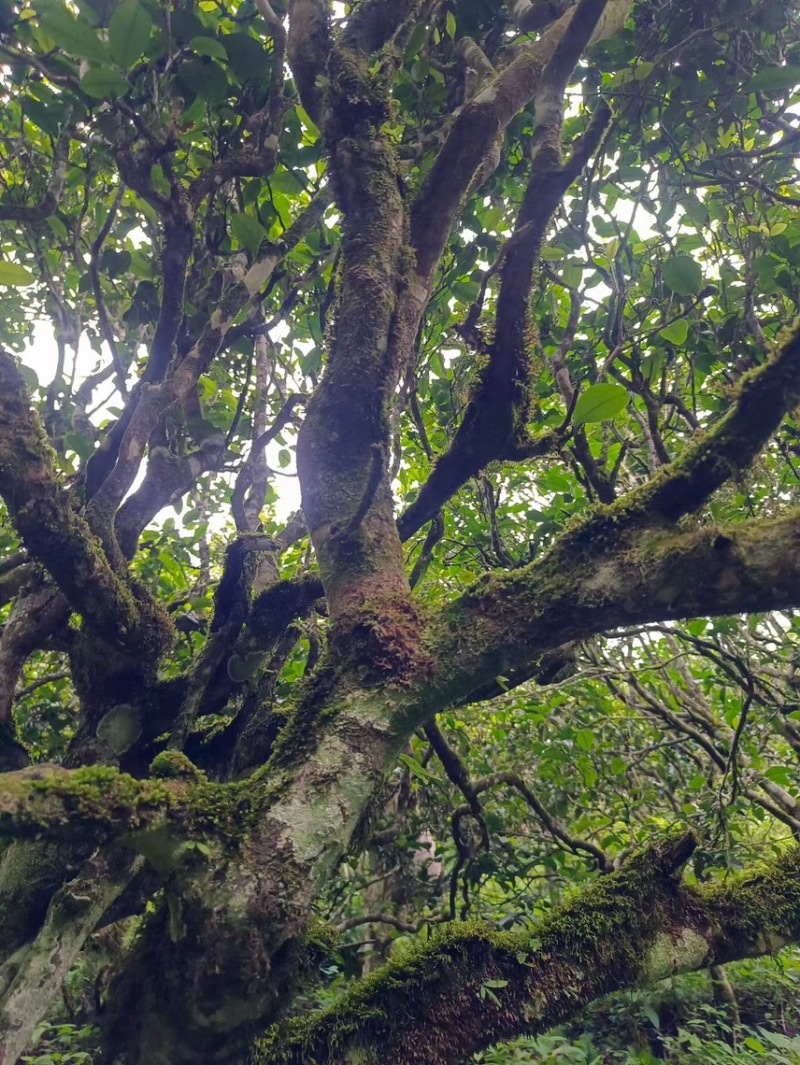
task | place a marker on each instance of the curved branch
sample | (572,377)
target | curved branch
(505,623)
(481,986)
(59,538)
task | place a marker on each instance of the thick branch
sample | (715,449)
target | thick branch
(36,972)
(308,47)
(56,803)
(481,986)
(505,623)
(57,536)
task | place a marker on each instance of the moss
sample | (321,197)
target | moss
(595,941)
(174,765)
(761,904)
(104,798)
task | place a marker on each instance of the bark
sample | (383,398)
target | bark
(475,986)
(28,977)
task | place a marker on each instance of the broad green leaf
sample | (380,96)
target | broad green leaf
(585,739)
(780,774)
(248,231)
(129,32)
(242,667)
(205,79)
(450,24)
(29,376)
(599,403)
(773,79)
(416,40)
(81,445)
(104,82)
(209,46)
(42,115)
(246,56)
(14,275)
(754,1044)
(120,728)
(683,275)
(70,34)
(676,332)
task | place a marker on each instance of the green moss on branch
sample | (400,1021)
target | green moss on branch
(472,986)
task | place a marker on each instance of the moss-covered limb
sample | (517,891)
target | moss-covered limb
(345,440)
(32,978)
(59,538)
(763,397)
(505,623)
(53,802)
(241,921)
(473,986)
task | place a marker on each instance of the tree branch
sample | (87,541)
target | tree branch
(632,927)
(374,22)
(308,48)
(505,623)
(58,537)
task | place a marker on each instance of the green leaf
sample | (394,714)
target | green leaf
(653,1017)
(242,667)
(416,768)
(103,82)
(129,32)
(205,79)
(29,376)
(780,774)
(683,275)
(450,24)
(773,79)
(43,115)
(15,275)
(754,1044)
(209,46)
(83,446)
(415,42)
(585,739)
(71,35)
(120,728)
(248,231)
(676,332)
(600,403)
(246,56)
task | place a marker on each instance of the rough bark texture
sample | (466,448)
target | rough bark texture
(632,927)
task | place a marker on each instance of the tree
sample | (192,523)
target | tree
(513,283)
